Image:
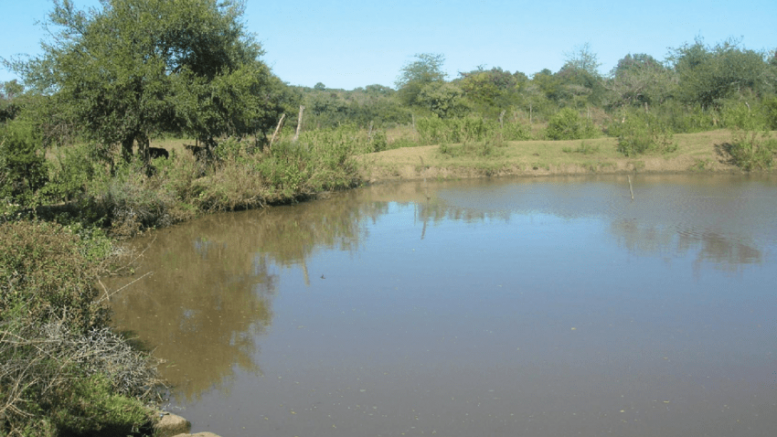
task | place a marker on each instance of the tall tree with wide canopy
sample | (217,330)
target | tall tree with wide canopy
(131,69)
(640,80)
(709,74)
(425,70)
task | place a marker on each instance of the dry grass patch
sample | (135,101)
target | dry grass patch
(694,152)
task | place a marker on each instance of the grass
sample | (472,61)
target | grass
(550,157)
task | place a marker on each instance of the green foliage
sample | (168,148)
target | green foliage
(491,91)
(22,164)
(132,201)
(742,116)
(91,405)
(61,370)
(568,125)
(751,150)
(442,99)
(434,130)
(709,74)
(133,69)
(9,108)
(643,133)
(332,108)
(71,172)
(55,382)
(426,69)
(769,109)
(641,81)
(45,275)
(379,141)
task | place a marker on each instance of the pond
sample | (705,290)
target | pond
(538,307)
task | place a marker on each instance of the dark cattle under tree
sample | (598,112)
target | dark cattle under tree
(158,152)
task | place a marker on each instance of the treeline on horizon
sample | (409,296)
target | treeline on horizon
(697,87)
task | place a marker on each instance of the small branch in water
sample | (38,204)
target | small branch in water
(108,295)
(630,188)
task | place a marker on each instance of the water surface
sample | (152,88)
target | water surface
(542,307)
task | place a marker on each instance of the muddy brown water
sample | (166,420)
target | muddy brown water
(543,307)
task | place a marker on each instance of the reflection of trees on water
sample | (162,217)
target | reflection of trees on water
(723,251)
(210,293)
(212,286)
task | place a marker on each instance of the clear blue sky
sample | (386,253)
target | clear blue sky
(349,43)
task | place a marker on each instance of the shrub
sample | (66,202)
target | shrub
(23,167)
(642,133)
(62,371)
(45,275)
(568,125)
(769,110)
(751,151)
(71,172)
(434,130)
(132,201)
(742,116)
(379,141)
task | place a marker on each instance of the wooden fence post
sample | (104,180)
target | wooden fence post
(299,122)
(277,129)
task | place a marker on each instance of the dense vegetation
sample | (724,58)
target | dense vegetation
(76,157)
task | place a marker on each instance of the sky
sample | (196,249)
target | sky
(348,44)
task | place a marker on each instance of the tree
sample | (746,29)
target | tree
(492,90)
(640,80)
(580,78)
(132,69)
(9,91)
(709,74)
(443,99)
(416,75)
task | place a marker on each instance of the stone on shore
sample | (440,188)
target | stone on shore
(172,425)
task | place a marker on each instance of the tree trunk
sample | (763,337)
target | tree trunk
(126,148)
(143,145)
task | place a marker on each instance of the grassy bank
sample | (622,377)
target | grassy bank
(125,198)
(712,151)
(62,370)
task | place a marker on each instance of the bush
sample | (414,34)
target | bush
(568,125)
(751,151)
(642,133)
(45,275)
(769,110)
(741,116)
(132,201)
(434,130)
(71,172)
(23,166)
(62,371)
